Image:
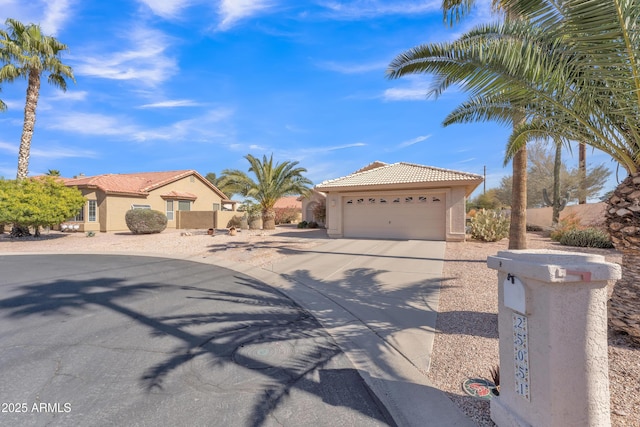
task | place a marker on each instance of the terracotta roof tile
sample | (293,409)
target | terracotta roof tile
(288,202)
(396,174)
(133,183)
(179,195)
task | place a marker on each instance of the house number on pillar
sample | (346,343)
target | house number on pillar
(521,354)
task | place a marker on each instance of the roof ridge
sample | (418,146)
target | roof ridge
(439,169)
(360,171)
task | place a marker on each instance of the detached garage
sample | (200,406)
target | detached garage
(399,201)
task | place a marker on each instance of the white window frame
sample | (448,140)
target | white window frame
(170,210)
(92,206)
(133,207)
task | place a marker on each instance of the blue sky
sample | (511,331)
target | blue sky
(198,84)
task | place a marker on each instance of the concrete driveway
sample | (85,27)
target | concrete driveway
(379,301)
(120,340)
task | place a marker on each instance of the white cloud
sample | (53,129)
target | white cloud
(171,104)
(145,61)
(57,152)
(362,9)
(416,90)
(201,128)
(50,14)
(70,95)
(414,141)
(353,68)
(12,148)
(233,11)
(90,124)
(166,8)
(56,13)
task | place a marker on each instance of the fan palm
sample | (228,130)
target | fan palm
(271,183)
(28,53)
(574,71)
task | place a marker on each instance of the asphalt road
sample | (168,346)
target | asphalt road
(115,340)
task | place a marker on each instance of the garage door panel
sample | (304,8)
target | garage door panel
(395,217)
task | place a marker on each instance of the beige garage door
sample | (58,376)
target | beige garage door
(407,216)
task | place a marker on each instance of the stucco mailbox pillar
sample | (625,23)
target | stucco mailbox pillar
(552,324)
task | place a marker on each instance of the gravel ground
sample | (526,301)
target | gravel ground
(466,345)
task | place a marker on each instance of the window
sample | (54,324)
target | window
(216,206)
(360,201)
(350,201)
(170,210)
(79,216)
(422,199)
(435,199)
(140,207)
(184,205)
(396,200)
(383,200)
(372,199)
(93,210)
(408,199)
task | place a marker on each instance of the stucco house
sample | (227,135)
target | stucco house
(110,196)
(399,201)
(309,205)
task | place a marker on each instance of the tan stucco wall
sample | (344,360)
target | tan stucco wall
(194,219)
(308,203)
(454,210)
(112,208)
(588,214)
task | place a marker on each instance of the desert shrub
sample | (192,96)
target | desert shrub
(531,227)
(287,215)
(235,221)
(145,221)
(313,224)
(566,224)
(303,224)
(320,211)
(489,225)
(588,237)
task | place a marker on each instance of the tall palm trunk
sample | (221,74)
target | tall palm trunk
(623,222)
(269,219)
(582,173)
(557,203)
(518,225)
(33,92)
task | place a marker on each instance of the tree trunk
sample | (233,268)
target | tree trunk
(557,203)
(33,91)
(623,222)
(268,219)
(518,224)
(582,173)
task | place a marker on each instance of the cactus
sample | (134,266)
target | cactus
(558,205)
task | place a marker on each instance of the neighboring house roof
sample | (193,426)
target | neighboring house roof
(137,184)
(183,195)
(401,174)
(288,202)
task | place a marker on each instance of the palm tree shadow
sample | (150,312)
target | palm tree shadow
(261,338)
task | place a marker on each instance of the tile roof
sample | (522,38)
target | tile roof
(288,202)
(135,183)
(398,174)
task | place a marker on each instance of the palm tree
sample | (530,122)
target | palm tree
(28,53)
(53,172)
(271,183)
(419,60)
(574,71)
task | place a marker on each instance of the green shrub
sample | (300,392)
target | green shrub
(532,227)
(303,224)
(566,224)
(235,221)
(489,225)
(313,224)
(586,238)
(145,221)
